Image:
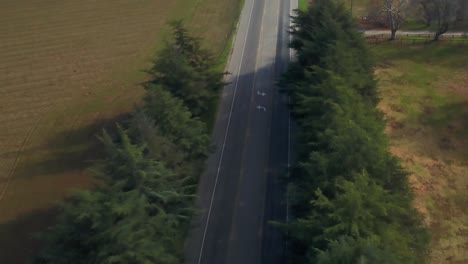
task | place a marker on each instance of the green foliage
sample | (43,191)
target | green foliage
(135,217)
(187,70)
(327,38)
(347,250)
(141,209)
(362,209)
(176,122)
(351,197)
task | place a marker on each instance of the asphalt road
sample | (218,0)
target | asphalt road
(243,187)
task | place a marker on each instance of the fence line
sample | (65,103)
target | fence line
(413,39)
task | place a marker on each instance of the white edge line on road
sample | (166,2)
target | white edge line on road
(225,135)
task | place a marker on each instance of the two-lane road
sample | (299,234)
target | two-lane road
(242,188)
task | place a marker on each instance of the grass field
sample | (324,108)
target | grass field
(417,24)
(424,92)
(67,69)
(359,7)
(303,5)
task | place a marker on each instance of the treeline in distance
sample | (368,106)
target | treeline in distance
(351,199)
(140,210)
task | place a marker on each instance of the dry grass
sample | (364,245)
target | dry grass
(67,69)
(360,7)
(424,93)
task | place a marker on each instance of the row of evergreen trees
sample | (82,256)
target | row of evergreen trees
(351,199)
(140,210)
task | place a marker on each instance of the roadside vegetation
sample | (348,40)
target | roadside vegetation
(140,210)
(350,197)
(69,69)
(424,91)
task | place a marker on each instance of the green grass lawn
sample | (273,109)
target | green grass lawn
(424,92)
(303,4)
(417,24)
(359,6)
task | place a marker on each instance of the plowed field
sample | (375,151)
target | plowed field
(68,68)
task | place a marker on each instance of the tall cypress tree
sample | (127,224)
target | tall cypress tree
(350,196)
(176,122)
(187,70)
(134,217)
(325,36)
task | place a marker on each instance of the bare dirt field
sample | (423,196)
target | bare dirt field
(424,92)
(67,69)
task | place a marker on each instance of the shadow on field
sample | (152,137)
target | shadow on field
(51,163)
(446,115)
(18,238)
(71,150)
(451,122)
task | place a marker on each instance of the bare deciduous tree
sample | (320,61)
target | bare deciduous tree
(427,12)
(443,12)
(396,11)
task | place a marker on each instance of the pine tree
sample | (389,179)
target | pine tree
(351,197)
(135,216)
(176,122)
(187,70)
(347,250)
